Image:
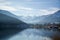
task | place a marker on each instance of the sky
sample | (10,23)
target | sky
(30,7)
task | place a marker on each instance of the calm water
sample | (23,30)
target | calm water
(35,34)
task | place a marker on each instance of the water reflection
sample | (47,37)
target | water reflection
(34,34)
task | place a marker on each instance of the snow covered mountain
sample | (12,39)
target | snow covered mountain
(52,18)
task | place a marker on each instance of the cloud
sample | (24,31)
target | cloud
(37,12)
(25,8)
(9,8)
(24,11)
(2,0)
(28,0)
(54,9)
(5,2)
(48,11)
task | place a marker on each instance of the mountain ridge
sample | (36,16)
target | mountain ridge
(7,16)
(52,18)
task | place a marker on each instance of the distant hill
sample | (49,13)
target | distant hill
(10,25)
(52,18)
(11,20)
(7,17)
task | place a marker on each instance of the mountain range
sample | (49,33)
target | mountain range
(8,17)
(52,18)
(11,20)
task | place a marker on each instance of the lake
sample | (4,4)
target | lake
(35,34)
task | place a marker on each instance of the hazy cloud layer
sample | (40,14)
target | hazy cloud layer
(30,7)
